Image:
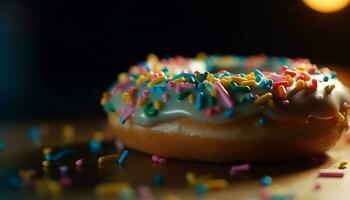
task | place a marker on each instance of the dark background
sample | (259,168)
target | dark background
(57,57)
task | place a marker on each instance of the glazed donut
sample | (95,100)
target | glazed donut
(228,108)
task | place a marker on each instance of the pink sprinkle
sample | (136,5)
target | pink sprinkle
(161,161)
(65,181)
(119,145)
(120,86)
(283,68)
(145,93)
(317,186)
(224,95)
(155,158)
(285,102)
(171,84)
(79,162)
(265,193)
(166,96)
(239,168)
(276,77)
(181,86)
(331,173)
(213,110)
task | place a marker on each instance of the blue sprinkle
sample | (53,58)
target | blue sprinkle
(325,78)
(287,196)
(200,85)
(123,157)
(268,84)
(262,121)
(266,180)
(62,154)
(333,74)
(257,72)
(48,156)
(165,70)
(185,75)
(121,120)
(95,145)
(158,179)
(2,146)
(258,78)
(249,97)
(229,113)
(241,74)
(201,189)
(147,67)
(199,100)
(35,134)
(158,89)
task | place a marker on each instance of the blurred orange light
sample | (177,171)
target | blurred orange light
(327,6)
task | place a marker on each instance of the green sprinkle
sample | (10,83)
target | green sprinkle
(150,110)
(236,88)
(182,95)
(211,101)
(202,77)
(191,80)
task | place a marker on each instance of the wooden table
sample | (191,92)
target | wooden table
(297,178)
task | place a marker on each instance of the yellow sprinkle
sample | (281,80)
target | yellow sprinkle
(213,93)
(299,85)
(271,104)
(250,76)
(98,136)
(224,82)
(122,77)
(289,79)
(211,78)
(155,81)
(191,178)
(263,98)
(47,150)
(108,158)
(329,88)
(342,164)
(251,83)
(171,197)
(179,80)
(141,101)
(216,183)
(152,59)
(111,189)
(340,116)
(68,134)
(158,104)
(201,56)
(46,163)
(105,98)
(141,80)
(191,99)
(237,79)
(126,97)
(49,188)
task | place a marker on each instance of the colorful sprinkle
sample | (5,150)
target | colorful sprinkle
(340,116)
(239,168)
(266,181)
(199,100)
(123,157)
(150,110)
(108,158)
(224,95)
(327,173)
(263,98)
(79,162)
(342,164)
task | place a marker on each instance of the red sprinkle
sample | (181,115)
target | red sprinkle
(290,72)
(276,84)
(331,174)
(313,84)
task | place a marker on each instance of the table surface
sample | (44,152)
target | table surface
(294,177)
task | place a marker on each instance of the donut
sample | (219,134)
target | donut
(228,108)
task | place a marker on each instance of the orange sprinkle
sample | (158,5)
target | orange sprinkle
(282,91)
(126,97)
(105,98)
(340,116)
(305,75)
(251,83)
(299,85)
